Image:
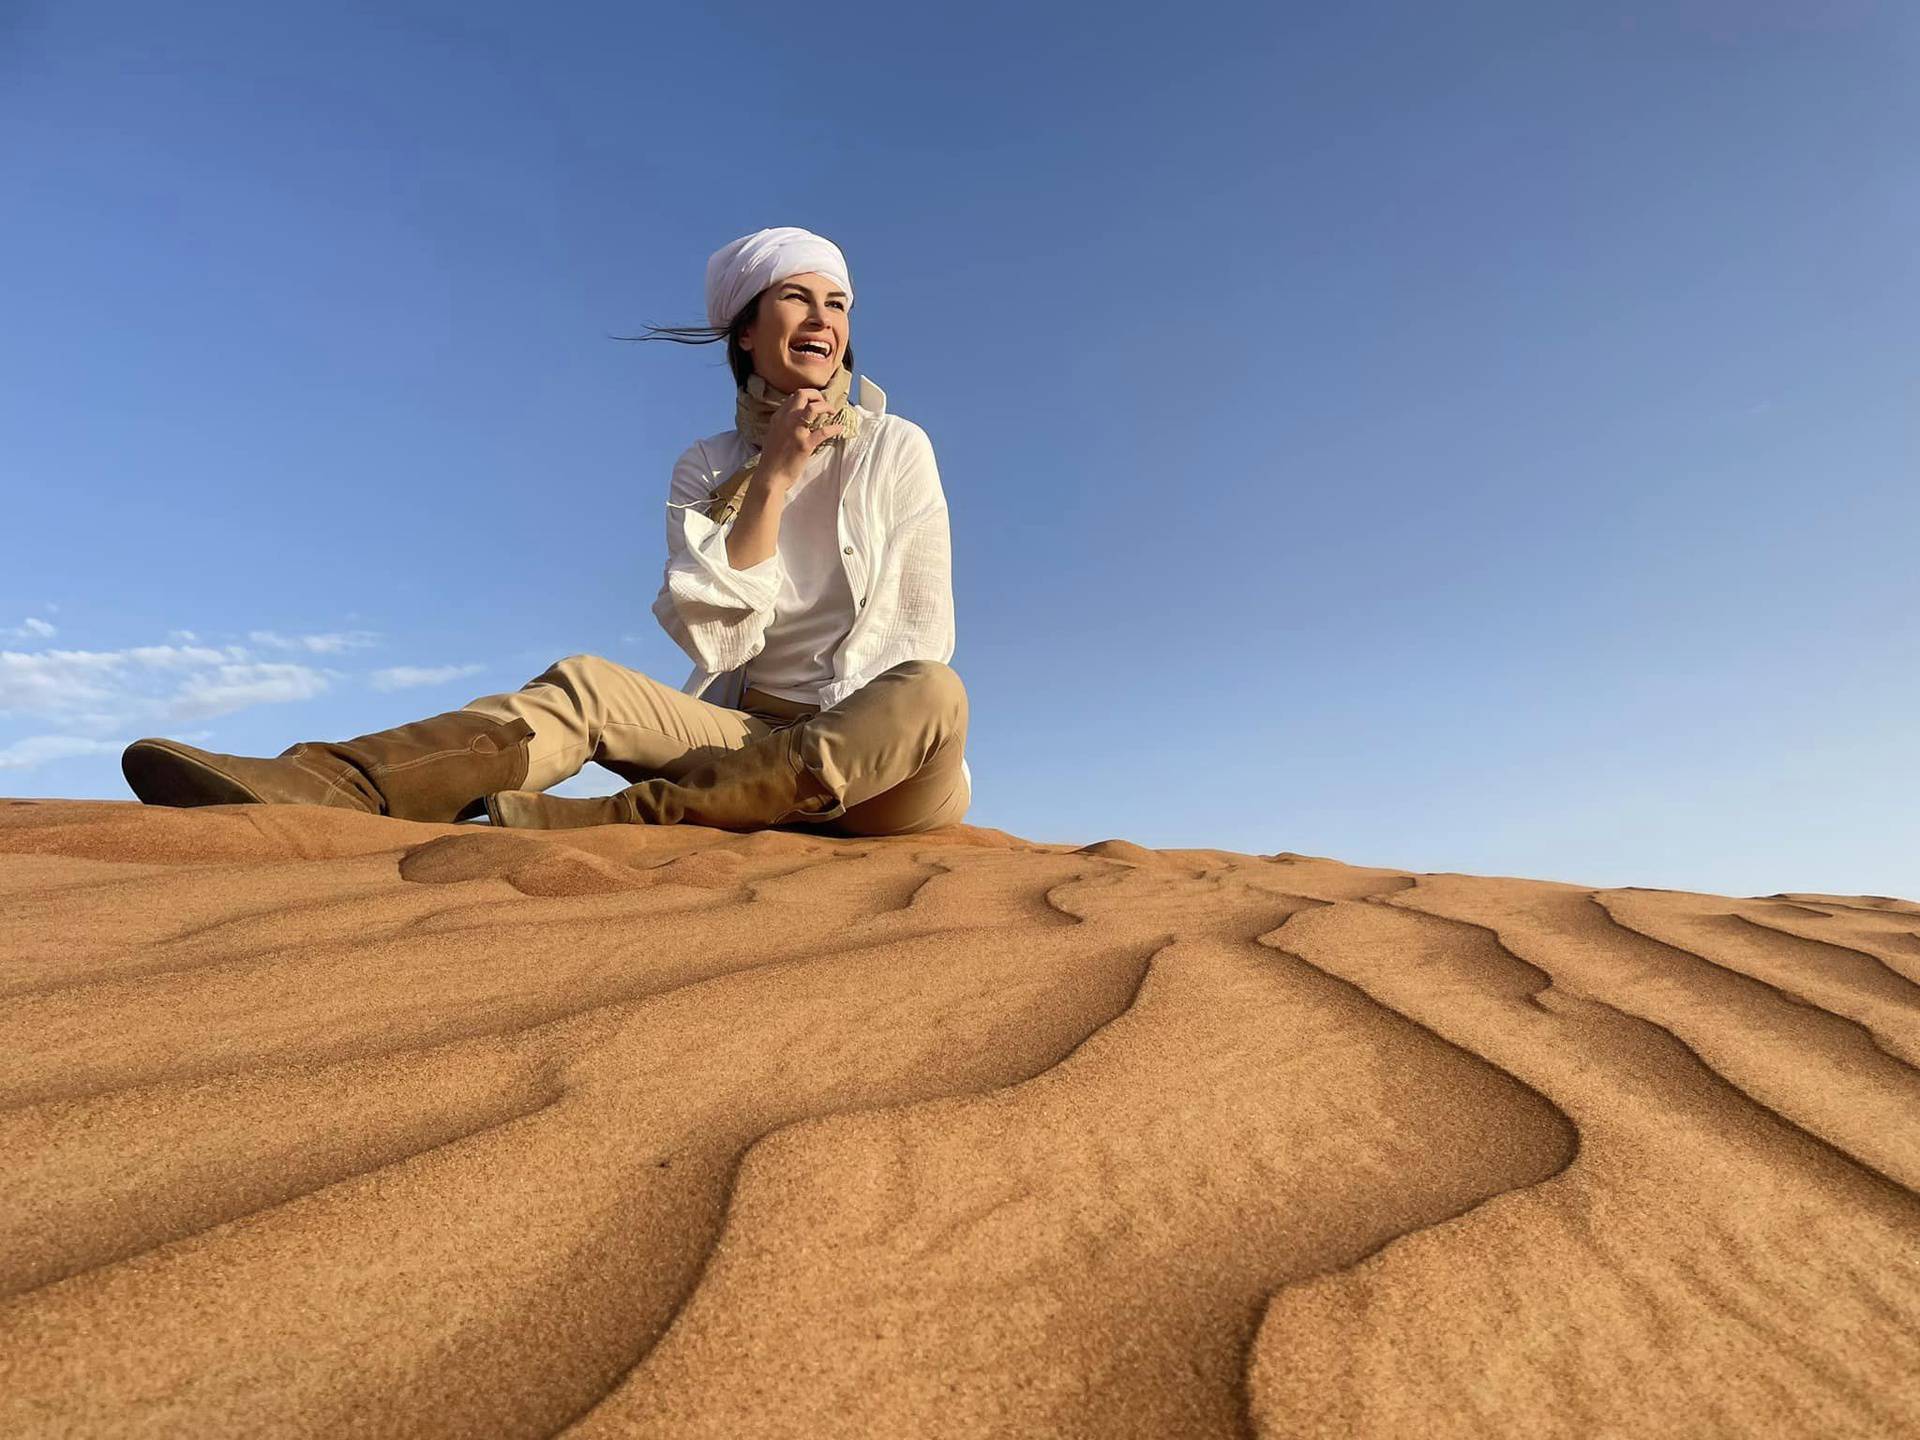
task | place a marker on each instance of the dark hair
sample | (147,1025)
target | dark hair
(740,361)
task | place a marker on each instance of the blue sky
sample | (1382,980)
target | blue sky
(1472,438)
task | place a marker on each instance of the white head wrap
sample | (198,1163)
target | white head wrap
(741,270)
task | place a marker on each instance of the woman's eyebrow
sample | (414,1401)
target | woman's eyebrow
(801,289)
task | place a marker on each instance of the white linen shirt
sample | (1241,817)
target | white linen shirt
(894,546)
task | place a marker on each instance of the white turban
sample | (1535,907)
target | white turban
(741,270)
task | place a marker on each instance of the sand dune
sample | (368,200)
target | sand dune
(319,1124)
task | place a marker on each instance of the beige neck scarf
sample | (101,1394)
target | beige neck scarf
(753,408)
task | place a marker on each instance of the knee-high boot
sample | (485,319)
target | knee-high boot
(758,785)
(437,769)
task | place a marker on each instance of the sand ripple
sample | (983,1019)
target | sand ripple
(320,1125)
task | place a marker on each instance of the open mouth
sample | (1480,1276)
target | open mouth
(810,350)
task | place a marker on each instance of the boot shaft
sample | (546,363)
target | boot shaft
(439,769)
(750,788)
(746,789)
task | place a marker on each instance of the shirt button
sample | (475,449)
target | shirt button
(846,549)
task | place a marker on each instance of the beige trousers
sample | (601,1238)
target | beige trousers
(891,750)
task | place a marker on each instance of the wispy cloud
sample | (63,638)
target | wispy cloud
(182,657)
(406,677)
(39,749)
(32,628)
(235,687)
(79,699)
(108,690)
(51,682)
(331,643)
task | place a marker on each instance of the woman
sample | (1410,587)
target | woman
(814,595)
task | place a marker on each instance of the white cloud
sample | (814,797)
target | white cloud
(182,657)
(333,643)
(32,628)
(406,677)
(50,681)
(82,697)
(37,750)
(107,690)
(227,688)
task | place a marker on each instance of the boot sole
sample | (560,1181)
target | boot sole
(162,772)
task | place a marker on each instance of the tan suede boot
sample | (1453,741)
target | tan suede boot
(753,787)
(437,770)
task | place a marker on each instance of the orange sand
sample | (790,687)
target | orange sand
(320,1124)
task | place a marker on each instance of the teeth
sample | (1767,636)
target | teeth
(810,348)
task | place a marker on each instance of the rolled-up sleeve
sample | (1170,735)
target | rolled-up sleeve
(716,613)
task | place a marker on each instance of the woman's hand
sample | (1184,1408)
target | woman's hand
(790,439)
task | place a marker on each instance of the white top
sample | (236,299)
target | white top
(893,549)
(814,609)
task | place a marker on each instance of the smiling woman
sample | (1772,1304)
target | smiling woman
(742,332)
(808,576)
(798,332)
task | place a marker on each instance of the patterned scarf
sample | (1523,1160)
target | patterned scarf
(753,408)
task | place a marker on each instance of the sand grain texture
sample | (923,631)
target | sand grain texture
(318,1124)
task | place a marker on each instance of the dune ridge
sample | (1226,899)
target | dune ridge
(325,1124)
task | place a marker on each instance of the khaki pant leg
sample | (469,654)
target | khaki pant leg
(892,750)
(936,796)
(586,708)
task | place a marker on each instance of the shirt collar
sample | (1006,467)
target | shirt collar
(872,399)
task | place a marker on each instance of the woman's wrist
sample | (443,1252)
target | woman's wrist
(767,488)
(776,476)
(756,528)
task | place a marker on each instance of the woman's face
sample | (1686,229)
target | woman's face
(797,316)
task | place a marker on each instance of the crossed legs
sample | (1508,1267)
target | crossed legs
(884,761)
